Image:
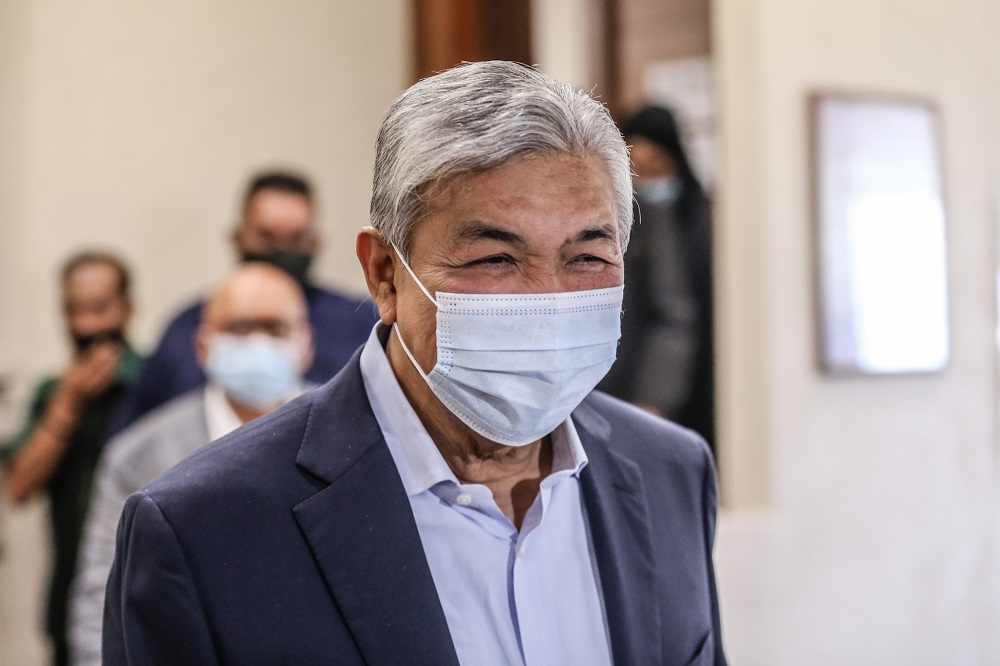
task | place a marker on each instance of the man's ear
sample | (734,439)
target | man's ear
(375,255)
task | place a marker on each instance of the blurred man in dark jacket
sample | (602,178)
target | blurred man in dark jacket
(665,357)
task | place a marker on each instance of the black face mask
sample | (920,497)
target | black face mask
(293,263)
(83,342)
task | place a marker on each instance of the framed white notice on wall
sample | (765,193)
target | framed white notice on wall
(880,235)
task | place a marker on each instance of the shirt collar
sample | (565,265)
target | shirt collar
(219,413)
(568,456)
(417,458)
(220,417)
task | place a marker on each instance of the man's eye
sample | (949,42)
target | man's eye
(493,260)
(589,259)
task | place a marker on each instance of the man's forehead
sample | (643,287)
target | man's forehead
(92,277)
(539,202)
(256,290)
(267,205)
(257,305)
(92,270)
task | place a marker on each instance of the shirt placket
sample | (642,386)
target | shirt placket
(529,608)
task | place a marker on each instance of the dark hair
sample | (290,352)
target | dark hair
(86,257)
(282,181)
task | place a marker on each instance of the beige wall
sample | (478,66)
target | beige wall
(861,523)
(132,126)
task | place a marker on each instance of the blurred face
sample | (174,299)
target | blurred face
(276,220)
(258,300)
(534,225)
(93,304)
(649,160)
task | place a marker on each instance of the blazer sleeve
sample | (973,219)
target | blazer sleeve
(152,612)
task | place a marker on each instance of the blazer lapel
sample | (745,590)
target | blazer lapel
(618,515)
(362,533)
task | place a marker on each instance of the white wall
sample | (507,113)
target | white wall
(861,522)
(133,126)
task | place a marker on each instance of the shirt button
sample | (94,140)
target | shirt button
(464,499)
(520,553)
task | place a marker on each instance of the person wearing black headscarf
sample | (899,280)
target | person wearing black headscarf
(665,357)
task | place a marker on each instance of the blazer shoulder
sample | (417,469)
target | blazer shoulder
(643,437)
(190,314)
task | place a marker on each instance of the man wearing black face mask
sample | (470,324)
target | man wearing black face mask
(276,227)
(58,448)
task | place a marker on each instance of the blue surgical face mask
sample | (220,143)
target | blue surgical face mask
(660,190)
(255,370)
(513,366)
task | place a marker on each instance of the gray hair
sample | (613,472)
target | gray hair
(477,117)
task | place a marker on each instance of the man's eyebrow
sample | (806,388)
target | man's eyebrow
(482,231)
(605,232)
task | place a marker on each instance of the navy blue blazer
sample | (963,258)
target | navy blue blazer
(291,541)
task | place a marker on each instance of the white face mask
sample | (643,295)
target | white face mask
(255,370)
(513,366)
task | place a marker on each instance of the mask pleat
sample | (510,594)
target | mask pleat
(529,361)
(513,366)
(509,332)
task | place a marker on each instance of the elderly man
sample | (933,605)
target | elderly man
(277,225)
(456,494)
(254,343)
(58,448)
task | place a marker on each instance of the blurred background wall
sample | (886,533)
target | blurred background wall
(860,515)
(861,523)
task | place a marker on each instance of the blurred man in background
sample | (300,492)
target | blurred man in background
(665,358)
(277,226)
(254,343)
(59,446)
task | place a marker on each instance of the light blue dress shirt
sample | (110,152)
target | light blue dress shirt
(530,597)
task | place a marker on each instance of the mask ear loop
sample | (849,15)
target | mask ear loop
(409,355)
(395,326)
(413,275)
